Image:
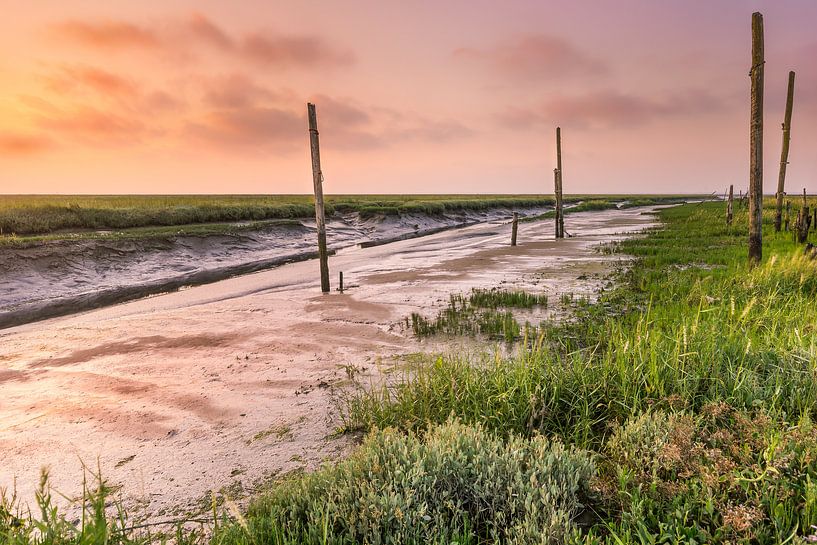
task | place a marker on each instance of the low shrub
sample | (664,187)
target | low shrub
(456,480)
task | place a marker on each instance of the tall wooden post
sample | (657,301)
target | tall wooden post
(317,181)
(729,205)
(558,208)
(560,216)
(514,228)
(784,154)
(756,143)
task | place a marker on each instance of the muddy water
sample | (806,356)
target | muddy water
(64,277)
(229,383)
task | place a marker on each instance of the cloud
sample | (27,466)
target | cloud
(238,90)
(340,113)
(534,57)
(264,119)
(250,127)
(261,47)
(70,78)
(106,34)
(279,50)
(95,125)
(12,144)
(205,30)
(610,109)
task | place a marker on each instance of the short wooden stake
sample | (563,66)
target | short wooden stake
(514,228)
(340,281)
(803,224)
(784,154)
(756,143)
(788,214)
(729,205)
(317,181)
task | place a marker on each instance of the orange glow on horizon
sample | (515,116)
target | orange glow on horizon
(454,97)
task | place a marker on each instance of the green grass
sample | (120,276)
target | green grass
(678,408)
(692,337)
(63,216)
(477,314)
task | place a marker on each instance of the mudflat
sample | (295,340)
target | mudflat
(227,384)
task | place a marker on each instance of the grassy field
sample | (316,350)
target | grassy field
(31,218)
(678,408)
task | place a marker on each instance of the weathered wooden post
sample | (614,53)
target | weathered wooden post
(784,154)
(788,214)
(814,219)
(803,224)
(556,210)
(317,181)
(756,143)
(514,227)
(340,281)
(729,205)
(560,216)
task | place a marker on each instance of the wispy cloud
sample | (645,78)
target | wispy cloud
(534,57)
(106,34)
(70,78)
(610,108)
(263,47)
(13,144)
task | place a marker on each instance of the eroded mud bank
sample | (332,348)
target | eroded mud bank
(64,277)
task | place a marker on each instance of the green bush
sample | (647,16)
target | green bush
(457,480)
(653,443)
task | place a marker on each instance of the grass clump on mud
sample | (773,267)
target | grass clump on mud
(478,313)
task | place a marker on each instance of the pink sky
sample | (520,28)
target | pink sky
(413,97)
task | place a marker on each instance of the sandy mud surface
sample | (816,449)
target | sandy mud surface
(62,277)
(226,384)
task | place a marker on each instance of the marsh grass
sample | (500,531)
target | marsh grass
(43,214)
(101,520)
(478,314)
(678,408)
(55,215)
(690,331)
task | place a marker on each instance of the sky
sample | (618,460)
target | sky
(445,96)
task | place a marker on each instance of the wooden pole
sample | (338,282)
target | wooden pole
(788,214)
(784,154)
(729,205)
(340,281)
(317,181)
(560,229)
(514,228)
(756,143)
(803,224)
(558,208)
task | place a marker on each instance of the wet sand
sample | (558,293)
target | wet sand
(229,383)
